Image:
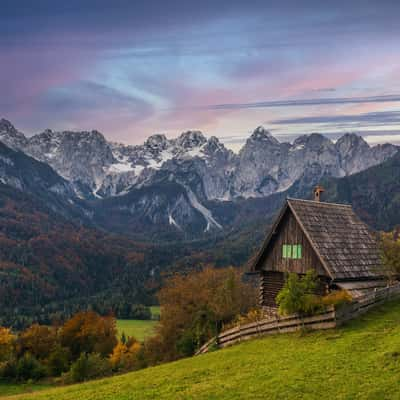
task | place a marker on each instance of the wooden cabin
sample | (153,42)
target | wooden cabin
(326,237)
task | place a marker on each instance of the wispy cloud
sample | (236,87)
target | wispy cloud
(383,137)
(305,102)
(382,117)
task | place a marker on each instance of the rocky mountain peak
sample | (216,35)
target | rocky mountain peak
(88,136)
(260,134)
(191,139)
(356,154)
(156,142)
(213,145)
(7,126)
(46,135)
(350,141)
(312,141)
(11,136)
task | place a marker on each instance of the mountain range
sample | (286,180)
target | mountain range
(169,188)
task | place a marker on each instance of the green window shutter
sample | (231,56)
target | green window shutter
(297,251)
(294,251)
(289,251)
(286,251)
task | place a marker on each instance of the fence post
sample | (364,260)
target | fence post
(334,315)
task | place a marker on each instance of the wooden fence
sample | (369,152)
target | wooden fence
(326,320)
(364,303)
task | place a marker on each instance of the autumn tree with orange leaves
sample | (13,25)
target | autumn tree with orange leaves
(38,340)
(6,343)
(195,306)
(88,332)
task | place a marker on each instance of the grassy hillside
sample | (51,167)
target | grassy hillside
(8,389)
(359,361)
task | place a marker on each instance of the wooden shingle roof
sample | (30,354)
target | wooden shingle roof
(344,244)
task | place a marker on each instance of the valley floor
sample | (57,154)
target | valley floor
(359,361)
(139,329)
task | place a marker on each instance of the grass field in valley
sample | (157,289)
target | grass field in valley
(359,361)
(155,312)
(139,329)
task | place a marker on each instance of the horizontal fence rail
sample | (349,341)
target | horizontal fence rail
(326,320)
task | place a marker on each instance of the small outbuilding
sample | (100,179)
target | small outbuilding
(326,237)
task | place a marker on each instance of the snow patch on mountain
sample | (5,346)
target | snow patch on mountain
(120,167)
(173,222)
(211,222)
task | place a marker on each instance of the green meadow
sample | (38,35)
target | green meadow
(139,329)
(358,361)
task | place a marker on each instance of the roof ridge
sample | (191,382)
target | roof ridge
(319,202)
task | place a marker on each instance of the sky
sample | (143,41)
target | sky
(134,68)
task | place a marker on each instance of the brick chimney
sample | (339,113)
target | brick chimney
(318,190)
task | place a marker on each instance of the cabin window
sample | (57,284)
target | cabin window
(287,251)
(293,251)
(296,251)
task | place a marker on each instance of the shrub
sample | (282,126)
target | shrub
(8,369)
(126,357)
(28,367)
(88,366)
(298,295)
(139,311)
(186,345)
(337,298)
(390,253)
(253,315)
(204,326)
(58,361)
